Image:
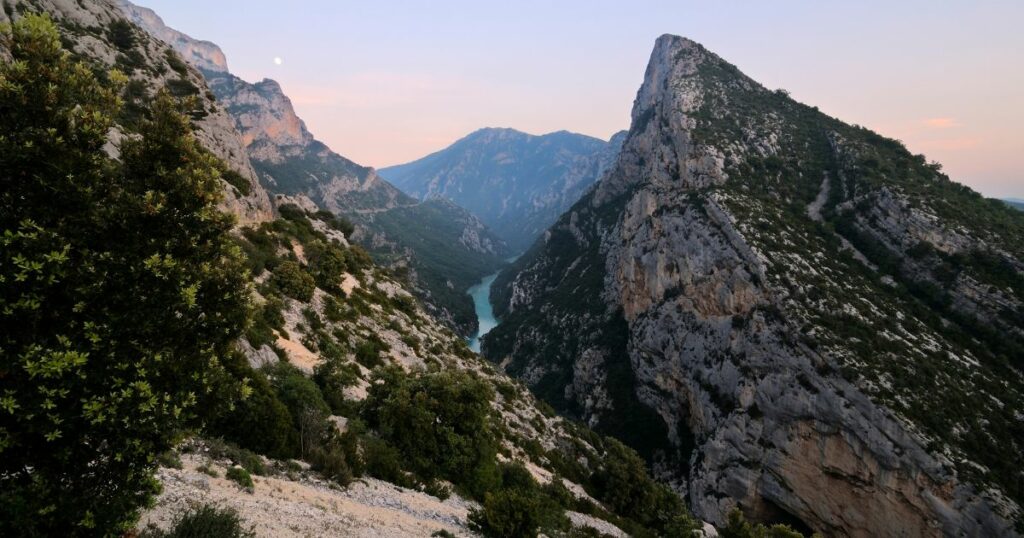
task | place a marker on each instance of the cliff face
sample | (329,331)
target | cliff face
(88,28)
(516,182)
(786,313)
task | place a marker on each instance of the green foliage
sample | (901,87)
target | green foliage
(241,477)
(169,458)
(260,422)
(332,376)
(236,180)
(293,281)
(385,462)
(121,34)
(305,404)
(516,513)
(738,527)
(204,522)
(120,295)
(439,422)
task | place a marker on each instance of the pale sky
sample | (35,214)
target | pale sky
(384,82)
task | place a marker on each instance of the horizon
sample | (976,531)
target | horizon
(384,86)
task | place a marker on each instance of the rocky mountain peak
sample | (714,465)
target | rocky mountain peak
(202,54)
(792,304)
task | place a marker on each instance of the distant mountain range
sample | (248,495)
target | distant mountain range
(1015,203)
(516,183)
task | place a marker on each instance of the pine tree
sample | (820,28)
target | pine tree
(119,292)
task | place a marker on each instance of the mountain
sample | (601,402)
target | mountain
(439,247)
(1015,203)
(785,313)
(151,65)
(517,183)
(179,365)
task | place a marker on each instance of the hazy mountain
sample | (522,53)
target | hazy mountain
(439,247)
(1015,203)
(789,314)
(517,183)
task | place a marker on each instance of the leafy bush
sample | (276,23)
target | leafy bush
(260,422)
(385,462)
(293,281)
(91,394)
(121,34)
(236,180)
(516,513)
(440,423)
(738,527)
(241,477)
(204,522)
(170,459)
(305,404)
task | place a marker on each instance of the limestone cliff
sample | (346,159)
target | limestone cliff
(786,313)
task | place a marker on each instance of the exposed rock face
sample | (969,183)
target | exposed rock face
(86,26)
(516,182)
(791,298)
(202,54)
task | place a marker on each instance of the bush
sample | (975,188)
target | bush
(121,292)
(738,527)
(241,477)
(516,513)
(384,461)
(305,404)
(293,281)
(440,423)
(170,459)
(204,522)
(332,464)
(260,422)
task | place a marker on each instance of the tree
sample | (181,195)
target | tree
(119,292)
(440,422)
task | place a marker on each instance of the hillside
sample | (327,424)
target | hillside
(786,313)
(290,161)
(517,183)
(266,366)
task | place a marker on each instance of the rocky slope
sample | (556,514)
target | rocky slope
(517,183)
(439,247)
(786,313)
(98,32)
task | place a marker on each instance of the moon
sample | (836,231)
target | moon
(278,60)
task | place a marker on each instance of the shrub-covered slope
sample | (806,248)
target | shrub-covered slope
(813,323)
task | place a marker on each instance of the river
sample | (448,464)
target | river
(484,313)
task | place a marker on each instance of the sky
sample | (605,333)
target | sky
(386,82)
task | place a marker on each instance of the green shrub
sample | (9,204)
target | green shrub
(385,462)
(208,470)
(332,464)
(204,522)
(241,477)
(293,281)
(516,513)
(121,292)
(441,424)
(738,527)
(121,34)
(169,458)
(236,180)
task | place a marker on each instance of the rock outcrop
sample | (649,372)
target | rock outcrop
(790,315)
(516,182)
(151,66)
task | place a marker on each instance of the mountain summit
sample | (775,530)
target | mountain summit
(517,183)
(785,313)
